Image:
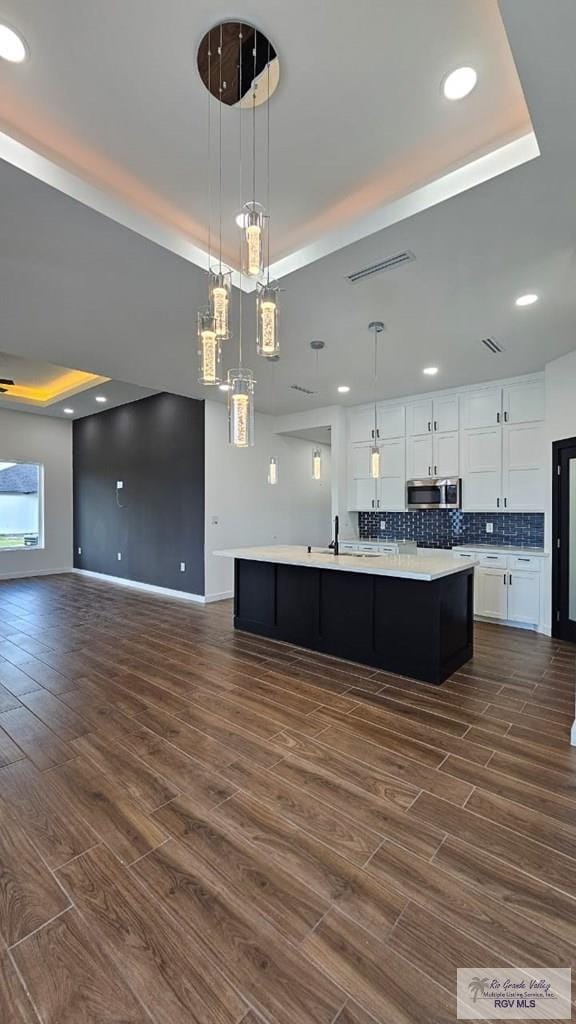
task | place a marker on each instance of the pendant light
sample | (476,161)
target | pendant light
(209,350)
(254,214)
(273,471)
(267,341)
(241,381)
(377,326)
(220,279)
(316,464)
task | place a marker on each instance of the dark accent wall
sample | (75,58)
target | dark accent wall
(444,528)
(156,447)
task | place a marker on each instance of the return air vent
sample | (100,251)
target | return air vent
(388,264)
(492,345)
(304,391)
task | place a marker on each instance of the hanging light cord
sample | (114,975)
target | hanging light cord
(268,162)
(240,38)
(375,382)
(254,119)
(220,147)
(209,154)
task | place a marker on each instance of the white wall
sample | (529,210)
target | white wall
(250,512)
(25,437)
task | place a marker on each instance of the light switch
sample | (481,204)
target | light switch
(382,524)
(215,521)
(79,551)
(182,566)
(119,485)
(119,556)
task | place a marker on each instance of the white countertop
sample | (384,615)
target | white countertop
(411,567)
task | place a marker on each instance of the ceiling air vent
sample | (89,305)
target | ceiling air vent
(304,391)
(492,345)
(388,264)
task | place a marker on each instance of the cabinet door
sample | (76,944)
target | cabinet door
(419,417)
(362,423)
(524,597)
(482,469)
(492,593)
(524,403)
(420,457)
(481,408)
(445,412)
(391,421)
(446,460)
(391,495)
(523,476)
(362,495)
(359,461)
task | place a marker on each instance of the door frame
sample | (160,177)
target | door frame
(558,448)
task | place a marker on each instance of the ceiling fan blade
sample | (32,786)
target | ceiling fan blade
(7,380)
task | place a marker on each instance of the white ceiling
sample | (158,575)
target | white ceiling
(112,92)
(80,290)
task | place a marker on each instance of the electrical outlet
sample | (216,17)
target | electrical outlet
(382,524)
(489,527)
(182,566)
(79,551)
(119,556)
(215,521)
(119,485)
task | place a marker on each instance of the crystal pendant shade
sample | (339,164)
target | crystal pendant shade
(241,408)
(254,239)
(209,351)
(220,302)
(375,463)
(273,471)
(316,464)
(267,319)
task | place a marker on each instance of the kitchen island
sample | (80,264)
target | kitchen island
(407,614)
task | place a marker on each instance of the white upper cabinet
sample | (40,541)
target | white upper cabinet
(419,417)
(481,408)
(523,474)
(523,403)
(482,469)
(419,457)
(391,421)
(446,461)
(391,492)
(362,495)
(445,416)
(429,416)
(362,423)
(359,461)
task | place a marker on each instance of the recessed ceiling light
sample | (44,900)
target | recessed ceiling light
(459,83)
(101,398)
(430,370)
(69,412)
(224,387)
(527,300)
(12,46)
(343,389)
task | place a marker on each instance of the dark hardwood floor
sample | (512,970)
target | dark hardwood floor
(203,826)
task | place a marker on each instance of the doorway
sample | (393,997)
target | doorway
(564,539)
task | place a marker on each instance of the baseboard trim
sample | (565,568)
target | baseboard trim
(224,596)
(19,575)
(573,734)
(149,588)
(511,623)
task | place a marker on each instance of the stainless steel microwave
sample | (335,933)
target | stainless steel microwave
(433,493)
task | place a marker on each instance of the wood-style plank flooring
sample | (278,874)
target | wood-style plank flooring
(203,827)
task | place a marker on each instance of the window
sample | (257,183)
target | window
(20,505)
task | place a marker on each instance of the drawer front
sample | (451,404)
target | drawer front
(465,554)
(530,562)
(492,560)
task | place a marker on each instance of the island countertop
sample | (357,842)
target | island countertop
(412,567)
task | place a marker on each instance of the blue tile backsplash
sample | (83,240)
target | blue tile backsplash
(444,528)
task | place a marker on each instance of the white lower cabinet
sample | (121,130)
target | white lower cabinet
(524,597)
(491,593)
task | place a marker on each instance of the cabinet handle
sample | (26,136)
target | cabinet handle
(504,579)
(435,470)
(510,579)
(372,502)
(372,433)
(378,432)
(505,417)
(429,425)
(435,424)
(523,559)
(429,471)
(505,502)
(491,556)
(497,502)
(497,417)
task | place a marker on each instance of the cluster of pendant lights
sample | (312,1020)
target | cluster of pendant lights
(214,327)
